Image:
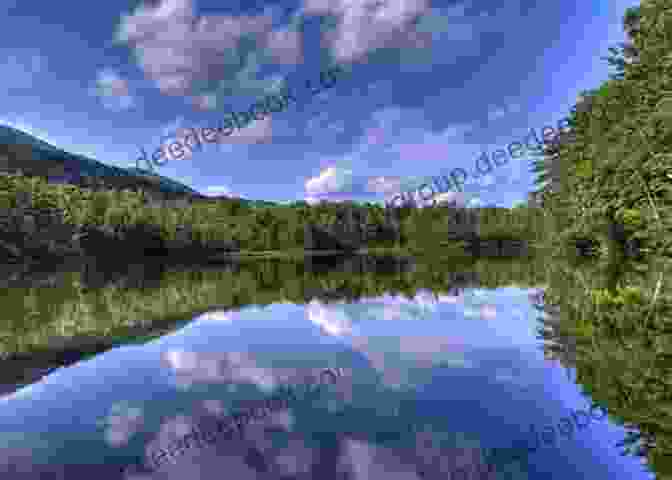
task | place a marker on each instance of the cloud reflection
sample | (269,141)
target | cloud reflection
(225,367)
(340,319)
(122,423)
(216,316)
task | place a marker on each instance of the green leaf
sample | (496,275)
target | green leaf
(664,109)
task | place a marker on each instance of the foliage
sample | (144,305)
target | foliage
(36,317)
(610,178)
(258,228)
(612,323)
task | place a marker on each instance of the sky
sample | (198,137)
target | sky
(426,86)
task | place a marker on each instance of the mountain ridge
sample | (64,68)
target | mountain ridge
(19,150)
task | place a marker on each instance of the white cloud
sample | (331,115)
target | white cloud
(217,315)
(367,461)
(441,37)
(488,312)
(447,198)
(216,190)
(284,45)
(367,25)
(122,423)
(386,185)
(177,49)
(333,321)
(330,180)
(258,131)
(398,133)
(196,367)
(206,101)
(215,407)
(475,202)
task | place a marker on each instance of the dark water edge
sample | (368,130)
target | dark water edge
(36,292)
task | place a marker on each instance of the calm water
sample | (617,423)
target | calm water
(432,380)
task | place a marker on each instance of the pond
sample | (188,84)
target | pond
(444,371)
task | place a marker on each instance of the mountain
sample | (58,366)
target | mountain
(11,135)
(20,151)
(243,201)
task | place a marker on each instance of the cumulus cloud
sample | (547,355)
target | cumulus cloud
(215,407)
(448,30)
(113,91)
(446,198)
(339,319)
(258,131)
(195,367)
(392,132)
(330,180)
(385,185)
(178,50)
(488,312)
(207,101)
(333,321)
(363,26)
(217,190)
(122,423)
(284,46)
(395,133)
(336,183)
(182,52)
(366,460)
(217,315)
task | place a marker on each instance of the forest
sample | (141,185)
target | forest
(607,193)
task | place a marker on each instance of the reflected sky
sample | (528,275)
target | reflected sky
(430,381)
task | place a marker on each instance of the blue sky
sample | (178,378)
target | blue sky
(429,85)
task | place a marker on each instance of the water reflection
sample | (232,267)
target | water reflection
(122,423)
(445,363)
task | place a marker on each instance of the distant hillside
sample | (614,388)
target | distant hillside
(20,151)
(11,135)
(243,201)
